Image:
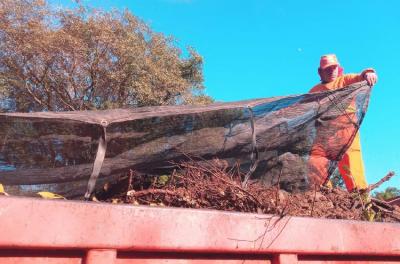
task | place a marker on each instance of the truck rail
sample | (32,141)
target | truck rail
(57,231)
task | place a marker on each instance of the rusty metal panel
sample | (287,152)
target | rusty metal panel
(285,259)
(48,231)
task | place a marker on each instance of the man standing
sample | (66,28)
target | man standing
(351,165)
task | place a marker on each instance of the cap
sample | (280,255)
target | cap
(328,60)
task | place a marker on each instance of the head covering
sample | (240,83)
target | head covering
(328,60)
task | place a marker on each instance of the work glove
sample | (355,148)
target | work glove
(371,78)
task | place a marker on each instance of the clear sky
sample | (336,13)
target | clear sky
(260,48)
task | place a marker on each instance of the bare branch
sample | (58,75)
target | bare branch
(381,181)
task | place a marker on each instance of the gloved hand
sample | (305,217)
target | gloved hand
(371,78)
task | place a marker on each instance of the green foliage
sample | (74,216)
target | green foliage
(337,179)
(162,180)
(82,58)
(388,193)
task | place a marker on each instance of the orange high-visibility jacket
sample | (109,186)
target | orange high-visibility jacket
(351,166)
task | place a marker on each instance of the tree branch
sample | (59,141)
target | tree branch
(381,181)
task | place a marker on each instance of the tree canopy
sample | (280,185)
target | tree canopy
(388,193)
(82,58)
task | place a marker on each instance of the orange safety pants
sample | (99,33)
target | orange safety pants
(327,144)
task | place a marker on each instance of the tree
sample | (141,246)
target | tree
(81,58)
(388,193)
(337,179)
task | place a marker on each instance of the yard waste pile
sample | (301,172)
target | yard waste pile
(209,185)
(270,140)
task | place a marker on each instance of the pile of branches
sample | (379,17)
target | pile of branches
(209,185)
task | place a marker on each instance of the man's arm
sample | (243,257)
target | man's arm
(368,75)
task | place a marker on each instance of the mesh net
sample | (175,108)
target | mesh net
(274,137)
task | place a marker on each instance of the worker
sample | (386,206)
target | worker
(351,165)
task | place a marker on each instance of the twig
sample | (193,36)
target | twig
(381,203)
(313,202)
(278,187)
(153,191)
(379,183)
(343,207)
(173,174)
(355,204)
(283,213)
(130,181)
(382,209)
(240,188)
(214,172)
(388,212)
(358,192)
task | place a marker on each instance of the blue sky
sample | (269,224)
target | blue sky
(258,48)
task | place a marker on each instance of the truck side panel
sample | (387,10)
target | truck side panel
(49,231)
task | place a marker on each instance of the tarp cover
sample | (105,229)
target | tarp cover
(55,151)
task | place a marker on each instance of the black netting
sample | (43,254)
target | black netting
(55,152)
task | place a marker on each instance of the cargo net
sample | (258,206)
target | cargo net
(75,153)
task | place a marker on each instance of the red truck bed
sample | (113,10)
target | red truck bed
(50,231)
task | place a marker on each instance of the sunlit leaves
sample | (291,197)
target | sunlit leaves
(78,59)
